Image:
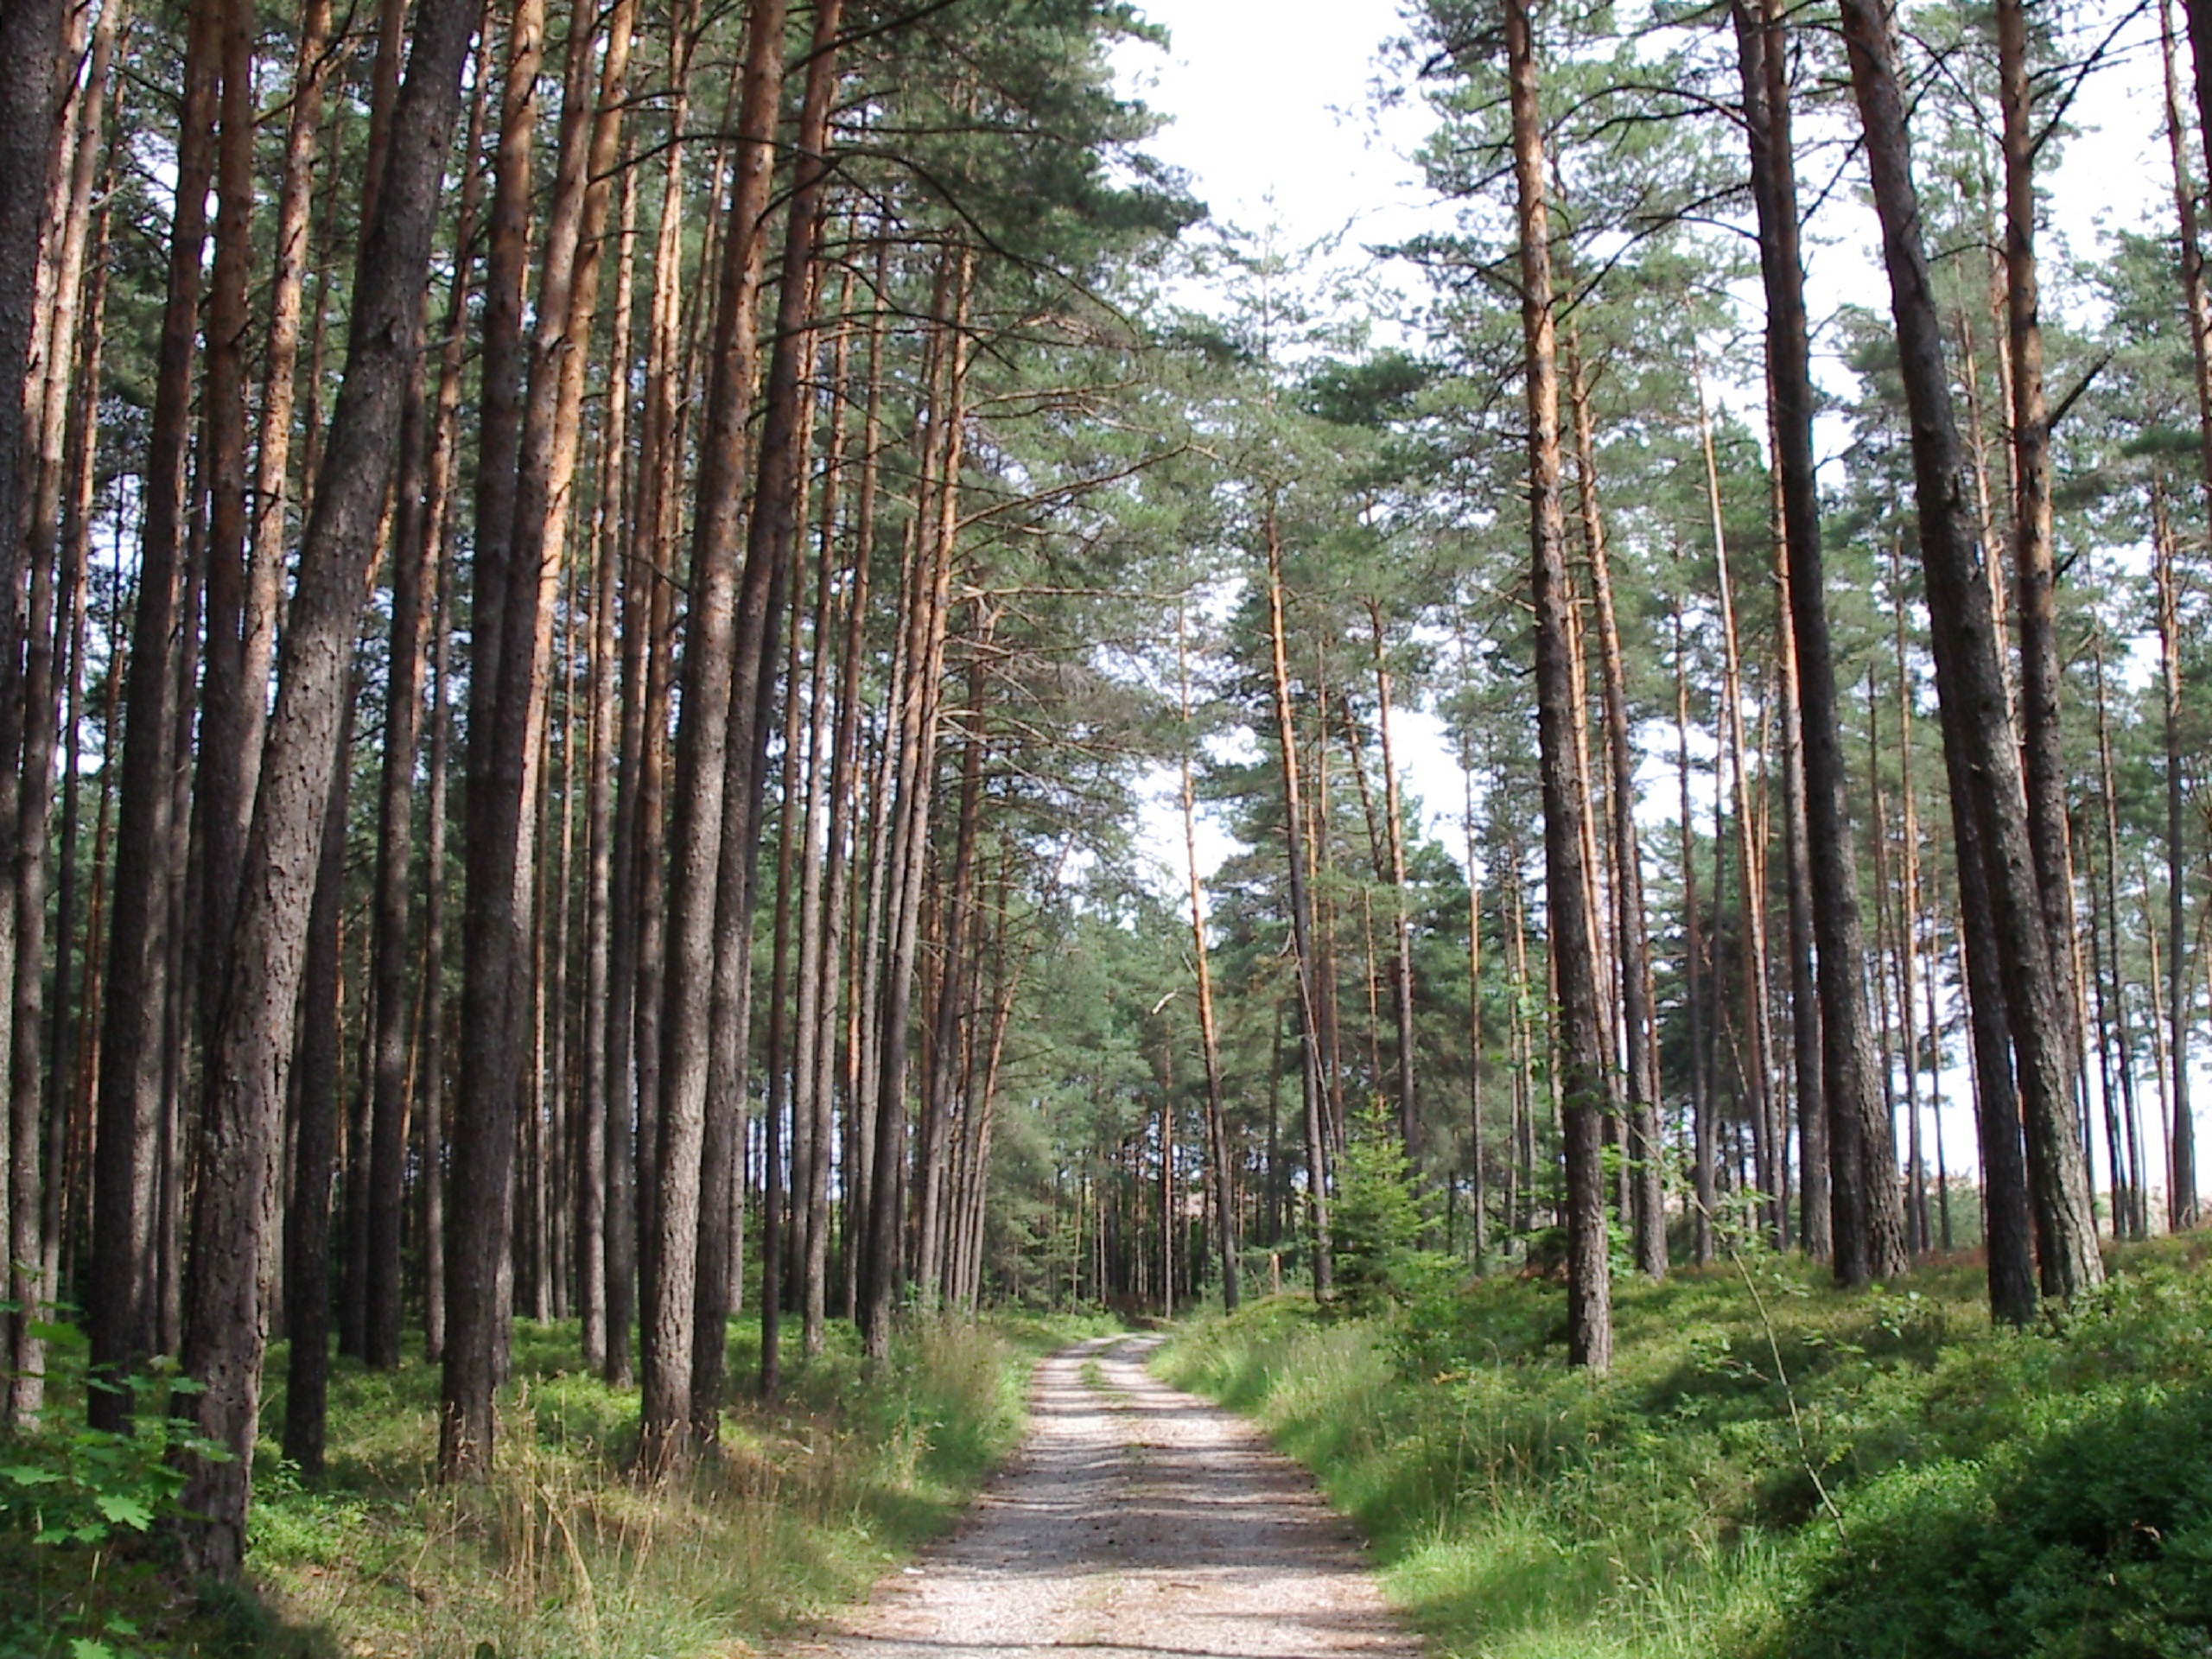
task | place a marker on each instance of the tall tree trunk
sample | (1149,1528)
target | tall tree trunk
(1566,879)
(2181,1145)
(1645,1152)
(815,1098)
(315,1089)
(916,740)
(120,1292)
(1704,1193)
(430,1073)
(1401,940)
(1979,747)
(721,667)
(1817,1217)
(383,1159)
(2036,574)
(2124,1045)
(1909,916)
(243,1096)
(1316,1197)
(634,947)
(32,85)
(63,433)
(74,1019)
(1209,1032)
(959,901)
(1864,1216)
(1768,1149)
(501,736)
(600,1096)
(223,794)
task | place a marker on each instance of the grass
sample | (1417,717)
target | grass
(561,1555)
(1773,1468)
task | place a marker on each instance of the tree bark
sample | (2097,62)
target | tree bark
(1981,749)
(61,444)
(1768,1151)
(1209,1032)
(37,61)
(916,740)
(1301,935)
(1646,1154)
(120,1294)
(1704,1191)
(1816,1227)
(2181,1145)
(1566,878)
(719,681)
(2036,573)
(230,707)
(243,1096)
(315,1089)
(1864,1219)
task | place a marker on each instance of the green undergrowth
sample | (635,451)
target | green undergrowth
(1774,1469)
(562,1553)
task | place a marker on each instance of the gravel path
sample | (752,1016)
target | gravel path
(1136,1520)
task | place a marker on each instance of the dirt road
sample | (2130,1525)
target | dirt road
(1136,1520)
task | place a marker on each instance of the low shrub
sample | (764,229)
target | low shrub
(1773,1468)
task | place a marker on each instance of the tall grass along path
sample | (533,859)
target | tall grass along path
(1136,1520)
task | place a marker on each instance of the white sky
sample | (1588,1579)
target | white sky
(1273,115)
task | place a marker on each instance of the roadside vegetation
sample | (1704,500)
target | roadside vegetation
(1773,1468)
(561,1552)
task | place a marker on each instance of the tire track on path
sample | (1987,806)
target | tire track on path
(1136,1520)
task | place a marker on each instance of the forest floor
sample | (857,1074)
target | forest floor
(562,1553)
(1137,1520)
(1774,1469)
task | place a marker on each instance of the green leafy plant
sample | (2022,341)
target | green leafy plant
(76,1502)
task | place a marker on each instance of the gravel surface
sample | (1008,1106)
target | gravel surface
(1137,1520)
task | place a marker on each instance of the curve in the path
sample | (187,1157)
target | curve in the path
(1137,1521)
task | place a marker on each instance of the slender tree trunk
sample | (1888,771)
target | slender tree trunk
(73,1022)
(62,430)
(1978,744)
(120,1294)
(495,934)
(1209,1032)
(223,796)
(1863,1220)
(634,944)
(844,826)
(2124,1043)
(383,1161)
(930,1171)
(1566,878)
(315,1106)
(2036,574)
(1704,1193)
(1758,1062)
(430,1074)
(243,1096)
(2180,1154)
(32,86)
(1316,1198)
(1816,1219)
(1645,1152)
(1909,918)
(1401,939)
(816,979)
(602,1096)
(721,668)
(917,771)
